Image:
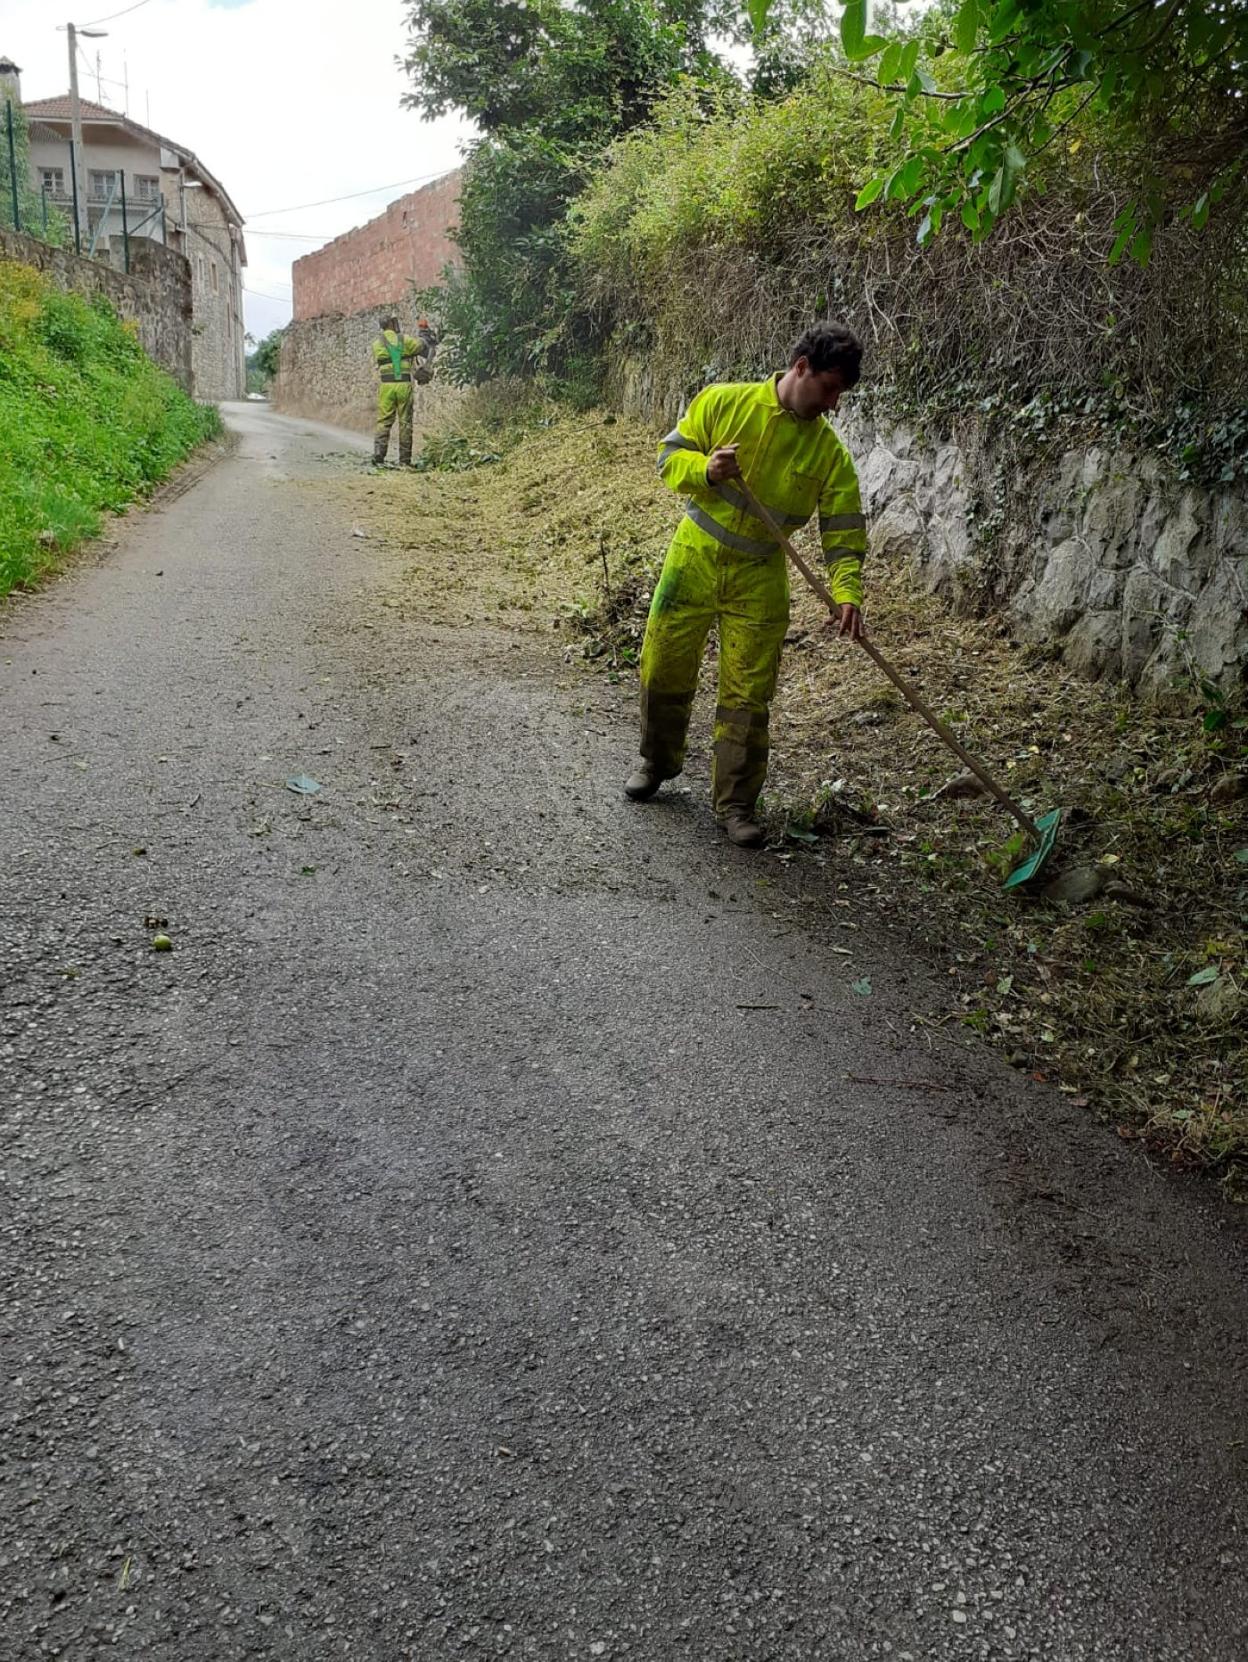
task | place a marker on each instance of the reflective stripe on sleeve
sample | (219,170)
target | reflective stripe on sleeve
(674,441)
(841,522)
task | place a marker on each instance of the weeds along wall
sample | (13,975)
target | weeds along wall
(155,295)
(1039,432)
(88,422)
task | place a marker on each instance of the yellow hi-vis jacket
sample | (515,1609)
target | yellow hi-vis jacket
(792,466)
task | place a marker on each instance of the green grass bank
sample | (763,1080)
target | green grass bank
(87,422)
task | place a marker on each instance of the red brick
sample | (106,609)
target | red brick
(376,264)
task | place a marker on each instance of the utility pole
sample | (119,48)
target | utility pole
(75,120)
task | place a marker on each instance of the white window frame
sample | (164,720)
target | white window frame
(147,188)
(52,180)
(100,192)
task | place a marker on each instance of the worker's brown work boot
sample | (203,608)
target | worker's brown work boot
(643,781)
(743,829)
(380,446)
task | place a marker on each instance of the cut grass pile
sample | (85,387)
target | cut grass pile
(1133,998)
(87,421)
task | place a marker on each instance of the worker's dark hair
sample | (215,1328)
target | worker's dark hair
(830,346)
(389,321)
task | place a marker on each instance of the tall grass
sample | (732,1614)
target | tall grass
(87,421)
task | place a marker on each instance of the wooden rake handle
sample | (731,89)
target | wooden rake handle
(881,662)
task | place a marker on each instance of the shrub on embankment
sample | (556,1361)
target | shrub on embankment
(708,238)
(87,421)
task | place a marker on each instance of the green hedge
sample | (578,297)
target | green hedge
(87,421)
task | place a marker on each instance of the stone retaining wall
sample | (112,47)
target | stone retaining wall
(1100,554)
(326,372)
(155,295)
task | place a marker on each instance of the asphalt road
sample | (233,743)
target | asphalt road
(485,1233)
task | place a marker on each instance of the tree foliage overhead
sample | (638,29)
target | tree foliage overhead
(550,85)
(989,85)
(581,73)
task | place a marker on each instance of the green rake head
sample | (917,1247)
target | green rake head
(1047,826)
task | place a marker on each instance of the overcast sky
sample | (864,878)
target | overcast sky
(286,101)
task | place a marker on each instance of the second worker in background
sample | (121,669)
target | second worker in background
(400,359)
(724,567)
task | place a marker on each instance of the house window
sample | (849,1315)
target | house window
(101,184)
(52,180)
(146,187)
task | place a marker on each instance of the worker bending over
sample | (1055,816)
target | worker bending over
(724,567)
(395,354)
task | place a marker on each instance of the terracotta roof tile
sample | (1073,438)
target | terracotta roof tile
(60,107)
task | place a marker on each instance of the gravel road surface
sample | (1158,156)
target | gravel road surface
(498,1227)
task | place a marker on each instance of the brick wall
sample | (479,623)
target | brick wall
(155,295)
(377,264)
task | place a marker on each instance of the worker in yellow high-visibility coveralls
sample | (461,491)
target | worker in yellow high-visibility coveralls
(395,354)
(724,567)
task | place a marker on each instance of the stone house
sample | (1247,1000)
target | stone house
(170,198)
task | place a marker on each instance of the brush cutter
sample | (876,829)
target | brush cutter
(1042,831)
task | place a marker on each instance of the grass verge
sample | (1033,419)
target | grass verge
(1131,998)
(87,422)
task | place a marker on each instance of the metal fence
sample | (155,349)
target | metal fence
(42,196)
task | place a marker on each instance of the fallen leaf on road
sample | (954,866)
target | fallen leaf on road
(302,785)
(862,988)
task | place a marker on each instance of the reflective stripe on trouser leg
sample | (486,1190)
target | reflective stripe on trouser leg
(405,424)
(754,614)
(681,614)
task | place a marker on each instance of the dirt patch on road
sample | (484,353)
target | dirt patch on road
(1133,997)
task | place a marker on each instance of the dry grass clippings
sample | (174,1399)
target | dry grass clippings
(1133,998)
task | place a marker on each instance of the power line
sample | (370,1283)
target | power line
(112,17)
(297,236)
(350,196)
(259,294)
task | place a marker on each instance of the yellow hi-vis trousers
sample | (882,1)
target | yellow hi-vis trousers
(393,398)
(747,596)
